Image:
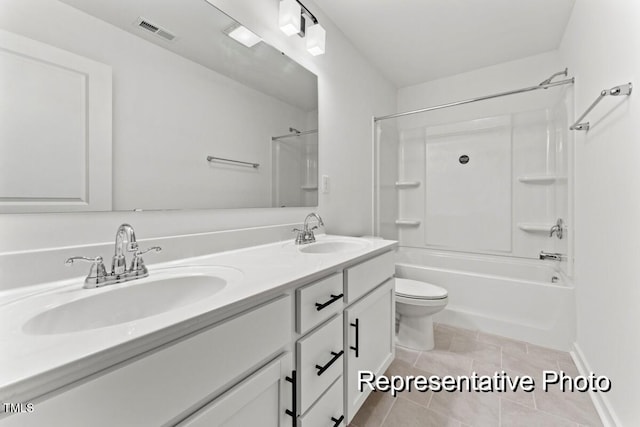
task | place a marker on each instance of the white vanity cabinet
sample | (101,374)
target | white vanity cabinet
(165,386)
(370,341)
(339,341)
(369,324)
(274,362)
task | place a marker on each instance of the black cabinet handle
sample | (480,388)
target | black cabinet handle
(333,299)
(337,421)
(356,348)
(294,400)
(335,357)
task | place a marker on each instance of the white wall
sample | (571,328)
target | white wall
(601,46)
(511,75)
(351,91)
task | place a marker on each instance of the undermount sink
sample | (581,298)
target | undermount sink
(333,246)
(166,290)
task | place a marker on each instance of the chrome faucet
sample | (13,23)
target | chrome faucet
(553,256)
(125,242)
(558,229)
(306,234)
(125,234)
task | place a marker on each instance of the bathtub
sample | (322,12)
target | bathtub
(527,300)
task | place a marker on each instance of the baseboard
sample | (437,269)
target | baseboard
(600,401)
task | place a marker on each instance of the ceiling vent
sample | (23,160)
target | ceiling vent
(157,30)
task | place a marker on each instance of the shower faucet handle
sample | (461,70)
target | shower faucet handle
(558,229)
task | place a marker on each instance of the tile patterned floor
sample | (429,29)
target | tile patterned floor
(460,352)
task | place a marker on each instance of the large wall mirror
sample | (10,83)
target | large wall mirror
(163,104)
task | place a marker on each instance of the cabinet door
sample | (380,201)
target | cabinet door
(256,401)
(369,332)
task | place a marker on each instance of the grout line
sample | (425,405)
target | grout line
(512,400)
(558,416)
(447,416)
(416,361)
(499,411)
(548,413)
(418,353)
(414,402)
(384,419)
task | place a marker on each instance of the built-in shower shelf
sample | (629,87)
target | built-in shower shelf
(407,184)
(309,187)
(535,228)
(540,179)
(408,222)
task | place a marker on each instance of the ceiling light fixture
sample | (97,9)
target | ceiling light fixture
(316,39)
(243,35)
(292,19)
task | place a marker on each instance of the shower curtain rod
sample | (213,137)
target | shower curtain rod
(481,98)
(291,135)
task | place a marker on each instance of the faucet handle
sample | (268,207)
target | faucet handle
(138,263)
(71,260)
(97,270)
(152,248)
(558,228)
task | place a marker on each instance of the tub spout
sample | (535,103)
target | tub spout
(553,256)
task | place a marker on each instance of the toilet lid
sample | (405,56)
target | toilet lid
(421,290)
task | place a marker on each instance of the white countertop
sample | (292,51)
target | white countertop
(31,365)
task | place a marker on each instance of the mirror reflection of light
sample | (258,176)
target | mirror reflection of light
(243,35)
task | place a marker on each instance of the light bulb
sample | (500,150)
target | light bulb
(243,35)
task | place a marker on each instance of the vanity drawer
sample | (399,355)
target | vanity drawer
(320,361)
(319,301)
(162,386)
(363,277)
(328,410)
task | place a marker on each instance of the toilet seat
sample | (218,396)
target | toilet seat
(414,289)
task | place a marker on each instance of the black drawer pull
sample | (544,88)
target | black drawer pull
(335,357)
(294,401)
(337,421)
(356,348)
(333,299)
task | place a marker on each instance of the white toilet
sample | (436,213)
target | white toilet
(416,303)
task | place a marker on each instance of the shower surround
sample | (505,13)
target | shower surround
(471,193)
